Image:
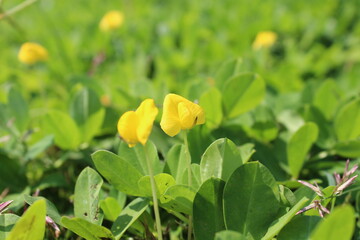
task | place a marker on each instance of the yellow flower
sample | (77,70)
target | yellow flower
(264,40)
(135,126)
(31,53)
(180,113)
(111,21)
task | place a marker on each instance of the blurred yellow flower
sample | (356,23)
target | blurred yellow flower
(135,126)
(180,113)
(264,40)
(31,53)
(111,21)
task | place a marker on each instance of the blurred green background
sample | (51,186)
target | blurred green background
(175,45)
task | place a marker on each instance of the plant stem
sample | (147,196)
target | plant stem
(188,156)
(153,190)
(17,8)
(12,22)
(190,228)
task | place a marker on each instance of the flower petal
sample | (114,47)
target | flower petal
(127,127)
(170,122)
(111,21)
(316,188)
(185,116)
(197,112)
(31,53)
(264,39)
(4,205)
(146,113)
(180,113)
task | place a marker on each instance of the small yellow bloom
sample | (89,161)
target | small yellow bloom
(111,20)
(135,126)
(264,40)
(180,113)
(31,53)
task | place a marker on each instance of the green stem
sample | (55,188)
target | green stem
(188,156)
(13,23)
(333,200)
(17,8)
(153,190)
(190,228)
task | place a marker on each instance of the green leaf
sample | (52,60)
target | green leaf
(220,160)
(10,174)
(278,224)
(31,226)
(39,147)
(300,228)
(178,198)
(246,151)
(242,93)
(176,162)
(227,70)
(51,210)
(86,110)
(350,149)
(251,200)
(339,224)
(7,222)
(64,129)
(326,98)
(163,181)
(84,104)
(229,235)
(195,176)
(121,174)
(326,138)
(287,197)
(86,229)
(208,209)
(263,131)
(347,121)
(18,109)
(299,145)
(111,208)
(128,216)
(211,102)
(265,127)
(136,156)
(199,140)
(86,196)
(93,125)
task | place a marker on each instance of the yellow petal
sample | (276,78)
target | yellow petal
(170,125)
(111,21)
(264,39)
(185,116)
(31,53)
(146,113)
(197,112)
(127,127)
(170,122)
(180,113)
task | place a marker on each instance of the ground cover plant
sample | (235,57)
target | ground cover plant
(179,119)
